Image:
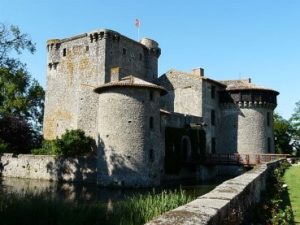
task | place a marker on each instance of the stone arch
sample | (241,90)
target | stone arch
(186,148)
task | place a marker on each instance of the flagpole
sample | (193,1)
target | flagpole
(138,24)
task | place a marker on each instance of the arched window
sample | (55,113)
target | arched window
(186,148)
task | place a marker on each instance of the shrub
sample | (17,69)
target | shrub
(49,147)
(4,147)
(72,143)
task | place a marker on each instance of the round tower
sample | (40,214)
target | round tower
(247,119)
(151,57)
(129,148)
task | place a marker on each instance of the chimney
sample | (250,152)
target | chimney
(199,72)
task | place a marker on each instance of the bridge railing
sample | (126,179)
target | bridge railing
(242,159)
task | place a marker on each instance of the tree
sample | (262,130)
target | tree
(11,39)
(16,135)
(283,135)
(21,97)
(295,123)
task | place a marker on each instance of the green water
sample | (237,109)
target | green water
(90,192)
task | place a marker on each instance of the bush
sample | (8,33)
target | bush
(49,147)
(72,143)
(4,147)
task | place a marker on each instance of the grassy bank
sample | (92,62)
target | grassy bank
(292,179)
(32,209)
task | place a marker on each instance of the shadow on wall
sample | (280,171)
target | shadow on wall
(79,169)
(2,165)
(120,169)
(229,129)
(166,101)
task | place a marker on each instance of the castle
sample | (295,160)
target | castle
(149,128)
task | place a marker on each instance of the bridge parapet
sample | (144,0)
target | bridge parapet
(242,159)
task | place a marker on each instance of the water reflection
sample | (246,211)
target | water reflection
(86,192)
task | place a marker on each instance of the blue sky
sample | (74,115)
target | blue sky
(230,39)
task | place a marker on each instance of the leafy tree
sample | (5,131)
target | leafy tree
(11,39)
(16,135)
(295,122)
(21,97)
(283,135)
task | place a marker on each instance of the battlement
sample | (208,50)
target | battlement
(102,34)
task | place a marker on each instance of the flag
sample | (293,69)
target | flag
(137,23)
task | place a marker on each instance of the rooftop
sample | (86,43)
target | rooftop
(130,81)
(244,84)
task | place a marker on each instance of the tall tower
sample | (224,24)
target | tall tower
(78,63)
(247,119)
(129,138)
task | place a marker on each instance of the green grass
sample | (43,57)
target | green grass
(42,210)
(292,179)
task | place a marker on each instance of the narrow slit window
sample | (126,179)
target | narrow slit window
(213,117)
(124,51)
(64,52)
(151,123)
(268,119)
(151,155)
(213,92)
(213,145)
(151,95)
(269,145)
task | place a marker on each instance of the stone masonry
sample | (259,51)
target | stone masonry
(107,85)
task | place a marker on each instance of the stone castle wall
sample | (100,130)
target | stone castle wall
(77,64)
(184,93)
(73,65)
(211,104)
(46,167)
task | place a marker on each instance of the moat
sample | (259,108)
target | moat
(90,192)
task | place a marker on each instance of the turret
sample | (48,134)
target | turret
(247,118)
(151,57)
(129,151)
(53,48)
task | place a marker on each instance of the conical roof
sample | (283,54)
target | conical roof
(240,85)
(130,81)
